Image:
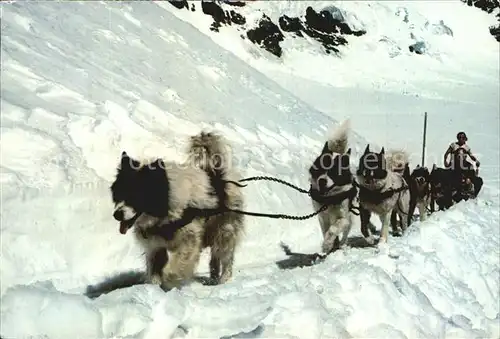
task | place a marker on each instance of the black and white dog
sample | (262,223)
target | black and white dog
(332,184)
(450,186)
(153,196)
(382,190)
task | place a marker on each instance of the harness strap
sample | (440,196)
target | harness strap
(337,199)
(377,196)
(167,230)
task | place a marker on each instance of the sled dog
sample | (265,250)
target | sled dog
(152,197)
(382,190)
(332,184)
(420,189)
(449,186)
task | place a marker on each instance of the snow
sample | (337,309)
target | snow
(82,82)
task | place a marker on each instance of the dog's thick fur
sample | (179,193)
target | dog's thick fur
(397,161)
(330,176)
(378,175)
(420,190)
(147,195)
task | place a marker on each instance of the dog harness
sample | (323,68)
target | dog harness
(335,200)
(376,197)
(167,230)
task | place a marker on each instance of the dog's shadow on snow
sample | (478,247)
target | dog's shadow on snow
(207,281)
(129,279)
(296,260)
(118,281)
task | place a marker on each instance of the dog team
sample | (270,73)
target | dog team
(178,209)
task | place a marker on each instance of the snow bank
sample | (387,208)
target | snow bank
(440,280)
(82,82)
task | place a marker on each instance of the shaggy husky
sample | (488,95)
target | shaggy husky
(383,190)
(420,188)
(165,203)
(332,183)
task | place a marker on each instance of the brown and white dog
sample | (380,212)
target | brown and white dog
(382,190)
(420,191)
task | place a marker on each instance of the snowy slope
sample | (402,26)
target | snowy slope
(375,78)
(457,54)
(82,82)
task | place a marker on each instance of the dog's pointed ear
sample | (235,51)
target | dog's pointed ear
(345,159)
(125,161)
(382,151)
(367,149)
(158,164)
(325,148)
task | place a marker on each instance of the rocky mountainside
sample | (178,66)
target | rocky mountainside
(489,6)
(324,26)
(327,26)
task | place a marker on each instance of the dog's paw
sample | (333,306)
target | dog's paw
(370,240)
(156,280)
(331,243)
(224,278)
(318,257)
(326,248)
(397,233)
(382,241)
(382,248)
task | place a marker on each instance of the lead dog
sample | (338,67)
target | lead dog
(152,196)
(382,190)
(332,183)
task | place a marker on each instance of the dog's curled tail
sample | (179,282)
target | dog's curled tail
(210,151)
(397,160)
(339,138)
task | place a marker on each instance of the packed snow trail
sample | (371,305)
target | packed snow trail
(82,82)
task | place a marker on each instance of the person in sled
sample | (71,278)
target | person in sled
(459,150)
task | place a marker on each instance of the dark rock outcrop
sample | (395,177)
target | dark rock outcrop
(235,3)
(418,47)
(495,30)
(325,23)
(237,18)
(180,4)
(321,26)
(220,16)
(488,6)
(294,25)
(268,35)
